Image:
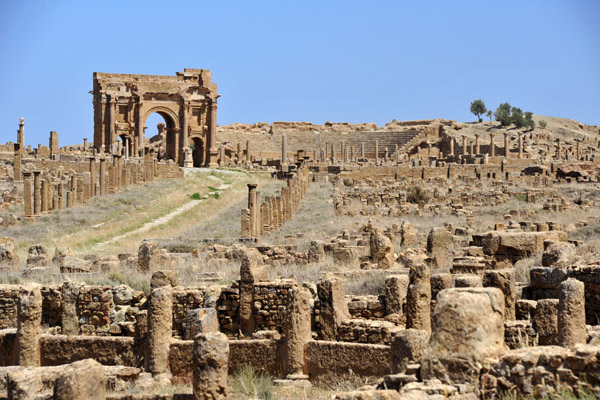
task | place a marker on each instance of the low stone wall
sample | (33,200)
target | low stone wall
(262,355)
(366,331)
(9,296)
(324,357)
(60,349)
(271,300)
(367,307)
(532,370)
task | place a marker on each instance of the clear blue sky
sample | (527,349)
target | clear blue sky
(356,61)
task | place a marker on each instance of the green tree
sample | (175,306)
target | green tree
(489,114)
(502,114)
(543,124)
(529,122)
(478,108)
(517,117)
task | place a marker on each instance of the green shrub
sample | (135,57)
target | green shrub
(196,196)
(543,124)
(417,194)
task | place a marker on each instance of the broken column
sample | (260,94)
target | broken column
(101,177)
(28,194)
(211,365)
(29,326)
(297,332)
(571,313)
(520,145)
(468,327)
(396,288)
(81,380)
(18,172)
(54,149)
(407,347)
(69,320)
(477,145)
(503,279)
(418,299)
(382,249)
(251,270)
(21,135)
(37,193)
(160,323)
(253,208)
(92,176)
(334,309)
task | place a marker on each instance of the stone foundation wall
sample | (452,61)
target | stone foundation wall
(271,300)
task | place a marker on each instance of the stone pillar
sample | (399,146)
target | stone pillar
(477,146)
(520,145)
(62,196)
(210,366)
(81,380)
(160,324)
(464,145)
(102,177)
(468,327)
(212,136)
(70,321)
(252,206)
(451,147)
(334,309)
(29,326)
(578,151)
(407,347)
(471,149)
(21,135)
(28,194)
(139,126)
(184,127)
(284,150)
(37,193)
(85,144)
(376,151)
(251,271)
(111,123)
(248,151)
(558,150)
(506,146)
(571,313)
(74,189)
(332,152)
(18,172)
(297,332)
(492,146)
(44,196)
(396,288)
(362,150)
(418,299)
(503,279)
(92,176)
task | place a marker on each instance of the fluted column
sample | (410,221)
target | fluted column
(212,136)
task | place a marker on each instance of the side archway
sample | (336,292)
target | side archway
(172,130)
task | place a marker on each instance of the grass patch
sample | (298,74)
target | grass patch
(196,196)
(247,383)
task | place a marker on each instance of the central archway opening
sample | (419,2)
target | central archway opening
(198,152)
(160,128)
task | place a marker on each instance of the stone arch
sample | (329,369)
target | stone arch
(172,127)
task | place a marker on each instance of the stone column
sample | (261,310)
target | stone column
(92,176)
(362,150)
(18,174)
(571,313)
(418,299)
(334,308)
(70,321)
(102,177)
(210,366)
(396,288)
(464,145)
(503,279)
(477,147)
(492,146)
(558,150)
(251,271)
(376,151)
(248,151)
(578,151)
(212,136)
(252,206)
(29,326)
(21,135)
(451,147)
(332,152)
(37,193)
(74,189)
(184,127)
(297,332)
(520,145)
(471,149)
(62,196)
(284,150)
(506,146)
(111,122)
(139,126)
(44,206)
(160,324)
(28,194)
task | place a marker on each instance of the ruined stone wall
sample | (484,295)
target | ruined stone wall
(271,300)
(9,296)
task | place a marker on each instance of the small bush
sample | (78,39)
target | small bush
(417,194)
(248,383)
(543,124)
(196,196)
(521,196)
